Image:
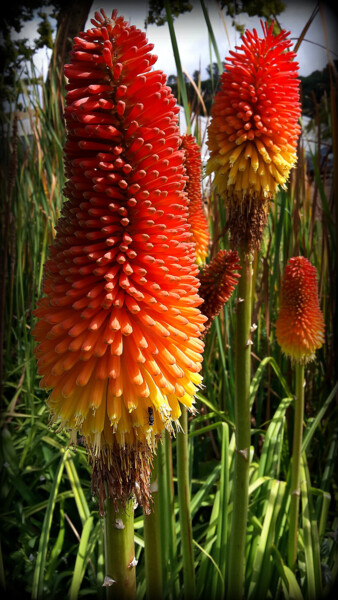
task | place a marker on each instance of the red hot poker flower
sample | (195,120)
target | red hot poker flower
(119,326)
(197,219)
(254,128)
(218,281)
(300,323)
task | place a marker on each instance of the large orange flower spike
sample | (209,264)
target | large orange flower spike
(197,218)
(300,323)
(119,328)
(254,130)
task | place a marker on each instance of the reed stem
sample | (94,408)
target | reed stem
(295,466)
(236,573)
(167,512)
(184,508)
(120,551)
(152,542)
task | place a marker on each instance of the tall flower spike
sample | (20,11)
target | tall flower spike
(254,129)
(119,326)
(197,218)
(218,281)
(300,323)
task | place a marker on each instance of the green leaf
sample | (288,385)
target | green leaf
(78,492)
(256,380)
(290,585)
(261,574)
(311,536)
(85,549)
(39,571)
(272,447)
(309,432)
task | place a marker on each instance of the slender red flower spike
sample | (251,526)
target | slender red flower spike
(119,326)
(218,281)
(197,218)
(300,323)
(254,129)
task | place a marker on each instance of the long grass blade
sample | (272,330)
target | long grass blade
(212,36)
(78,492)
(309,432)
(311,537)
(39,572)
(260,579)
(83,554)
(290,584)
(220,550)
(257,378)
(180,76)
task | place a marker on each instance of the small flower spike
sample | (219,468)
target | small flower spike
(300,323)
(254,129)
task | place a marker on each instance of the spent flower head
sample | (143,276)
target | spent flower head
(218,280)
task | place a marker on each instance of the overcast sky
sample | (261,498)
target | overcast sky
(192,35)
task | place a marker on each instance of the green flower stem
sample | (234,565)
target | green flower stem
(295,466)
(152,542)
(120,551)
(184,508)
(167,512)
(236,572)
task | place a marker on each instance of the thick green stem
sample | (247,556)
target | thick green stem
(184,508)
(295,466)
(167,512)
(236,572)
(120,551)
(152,543)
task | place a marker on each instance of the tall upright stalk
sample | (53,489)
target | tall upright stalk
(295,466)
(184,508)
(152,542)
(167,511)
(236,573)
(120,551)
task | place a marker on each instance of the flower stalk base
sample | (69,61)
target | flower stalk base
(295,466)
(120,551)
(242,423)
(152,542)
(184,508)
